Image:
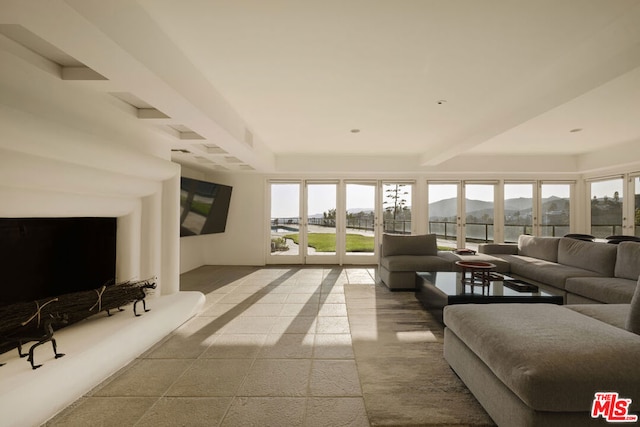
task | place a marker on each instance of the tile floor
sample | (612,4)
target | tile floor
(271,347)
(288,346)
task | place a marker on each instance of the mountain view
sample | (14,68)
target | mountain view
(447,208)
(518,207)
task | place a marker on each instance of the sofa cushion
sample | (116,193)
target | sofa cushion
(542,271)
(415,263)
(424,244)
(613,314)
(628,260)
(545,248)
(609,290)
(633,321)
(552,358)
(596,257)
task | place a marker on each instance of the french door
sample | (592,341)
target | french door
(554,211)
(445,220)
(520,210)
(286,241)
(320,221)
(323,222)
(461,213)
(360,223)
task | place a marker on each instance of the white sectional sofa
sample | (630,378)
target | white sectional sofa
(540,365)
(583,272)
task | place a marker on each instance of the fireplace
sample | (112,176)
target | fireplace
(135,197)
(46,257)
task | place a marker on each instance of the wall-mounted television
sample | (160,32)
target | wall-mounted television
(204,207)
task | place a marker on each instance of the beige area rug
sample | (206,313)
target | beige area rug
(398,350)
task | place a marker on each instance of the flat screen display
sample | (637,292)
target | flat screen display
(204,207)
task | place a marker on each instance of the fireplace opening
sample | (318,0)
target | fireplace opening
(46,257)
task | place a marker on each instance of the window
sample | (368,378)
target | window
(518,210)
(606,207)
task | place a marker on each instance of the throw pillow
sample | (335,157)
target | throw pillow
(545,248)
(627,265)
(633,321)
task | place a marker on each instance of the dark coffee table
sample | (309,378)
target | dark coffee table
(436,290)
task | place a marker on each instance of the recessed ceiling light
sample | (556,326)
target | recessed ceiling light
(576,130)
(355,130)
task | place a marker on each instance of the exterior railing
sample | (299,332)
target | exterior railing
(397,226)
(389,226)
(476,232)
(480,232)
(602,231)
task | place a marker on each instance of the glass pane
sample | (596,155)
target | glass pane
(321,216)
(518,211)
(479,213)
(555,209)
(443,214)
(606,208)
(285,219)
(396,204)
(636,212)
(360,217)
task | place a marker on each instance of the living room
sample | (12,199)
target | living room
(102,112)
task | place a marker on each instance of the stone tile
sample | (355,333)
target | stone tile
(211,377)
(331,289)
(333,325)
(306,309)
(238,298)
(333,310)
(308,288)
(281,289)
(103,411)
(336,411)
(272,298)
(333,298)
(287,346)
(303,298)
(333,346)
(250,287)
(267,310)
(181,347)
(222,308)
(235,346)
(277,377)
(253,325)
(334,378)
(294,325)
(196,325)
(145,377)
(186,411)
(265,412)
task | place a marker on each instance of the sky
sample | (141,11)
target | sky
(322,197)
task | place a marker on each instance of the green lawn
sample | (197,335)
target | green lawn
(326,242)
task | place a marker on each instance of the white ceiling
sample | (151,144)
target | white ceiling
(423,80)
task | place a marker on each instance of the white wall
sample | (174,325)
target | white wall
(242,243)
